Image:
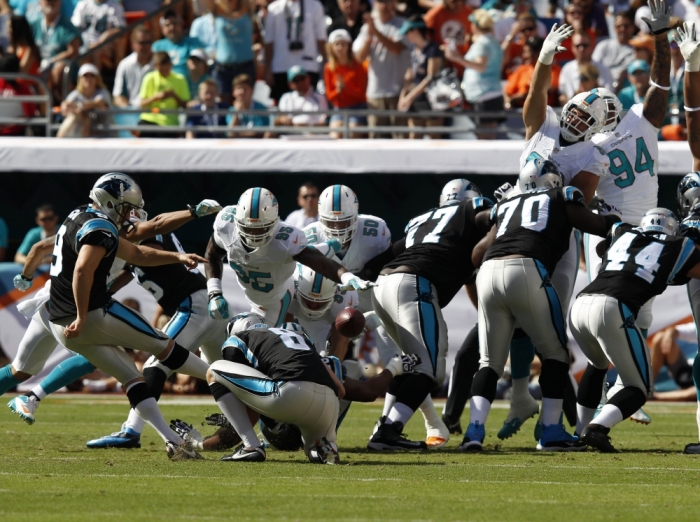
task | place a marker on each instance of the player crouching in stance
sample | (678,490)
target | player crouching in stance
(529,237)
(639,264)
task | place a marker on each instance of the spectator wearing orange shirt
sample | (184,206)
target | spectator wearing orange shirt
(519,80)
(512,46)
(576,18)
(345,79)
(449,22)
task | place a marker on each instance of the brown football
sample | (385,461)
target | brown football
(350,322)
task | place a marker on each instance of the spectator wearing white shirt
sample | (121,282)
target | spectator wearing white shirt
(302,97)
(130,71)
(569,79)
(307,199)
(98,20)
(617,53)
(503,27)
(295,34)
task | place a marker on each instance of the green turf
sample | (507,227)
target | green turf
(46,473)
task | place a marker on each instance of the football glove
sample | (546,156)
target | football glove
(552,44)
(502,191)
(218,307)
(372,321)
(335,245)
(410,362)
(22,283)
(660,21)
(205,208)
(217,419)
(188,432)
(689,46)
(395,366)
(352,282)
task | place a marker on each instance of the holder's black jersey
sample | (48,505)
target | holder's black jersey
(439,246)
(638,266)
(282,355)
(169,284)
(83,226)
(534,225)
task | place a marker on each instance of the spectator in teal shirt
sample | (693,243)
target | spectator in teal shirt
(638,74)
(176,44)
(243,94)
(4,239)
(31,8)
(47,219)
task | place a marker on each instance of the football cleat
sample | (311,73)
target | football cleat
(436,436)
(455,428)
(325,452)
(474,437)
(24,407)
(520,411)
(391,437)
(555,438)
(692,449)
(183,451)
(126,438)
(596,436)
(243,454)
(379,422)
(641,417)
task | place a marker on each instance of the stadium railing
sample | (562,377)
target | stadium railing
(45,99)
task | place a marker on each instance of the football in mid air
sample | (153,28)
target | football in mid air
(350,322)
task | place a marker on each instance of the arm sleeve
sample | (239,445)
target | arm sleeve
(98,232)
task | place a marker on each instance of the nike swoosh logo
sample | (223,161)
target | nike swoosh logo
(296,240)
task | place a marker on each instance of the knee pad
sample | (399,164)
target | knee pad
(590,389)
(553,378)
(628,400)
(485,383)
(137,393)
(155,381)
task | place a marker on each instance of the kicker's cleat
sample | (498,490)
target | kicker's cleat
(518,414)
(555,438)
(692,449)
(379,422)
(243,454)
(391,437)
(436,436)
(126,438)
(455,428)
(641,417)
(474,437)
(24,407)
(596,436)
(183,451)
(325,452)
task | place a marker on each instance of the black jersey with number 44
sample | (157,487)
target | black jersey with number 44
(83,226)
(535,225)
(439,246)
(638,266)
(169,284)
(282,355)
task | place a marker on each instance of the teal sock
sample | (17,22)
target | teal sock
(66,372)
(522,353)
(696,375)
(645,332)
(7,380)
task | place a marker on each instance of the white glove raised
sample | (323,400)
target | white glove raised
(205,208)
(351,282)
(189,433)
(689,46)
(502,191)
(372,321)
(22,283)
(660,21)
(552,44)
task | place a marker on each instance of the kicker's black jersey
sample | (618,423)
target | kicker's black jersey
(169,284)
(84,226)
(638,266)
(439,246)
(534,225)
(282,355)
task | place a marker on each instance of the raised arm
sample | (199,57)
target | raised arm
(331,269)
(690,48)
(656,99)
(170,221)
(145,256)
(586,221)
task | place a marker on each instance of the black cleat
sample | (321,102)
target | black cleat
(692,449)
(391,437)
(452,427)
(246,455)
(596,436)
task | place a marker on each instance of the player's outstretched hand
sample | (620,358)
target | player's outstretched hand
(502,191)
(217,419)
(660,21)
(218,307)
(188,432)
(552,44)
(351,282)
(207,207)
(191,260)
(22,283)
(689,46)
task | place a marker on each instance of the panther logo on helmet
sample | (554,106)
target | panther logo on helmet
(688,195)
(539,174)
(117,195)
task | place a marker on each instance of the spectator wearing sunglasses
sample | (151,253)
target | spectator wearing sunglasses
(617,53)
(524,27)
(569,80)
(503,27)
(307,199)
(638,74)
(132,69)
(575,17)
(47,221)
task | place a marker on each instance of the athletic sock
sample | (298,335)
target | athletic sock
(65,373)
(235,411)
(479,408)
(134,422)
(389,401)
(399,413)
(38,392)
(148,409)
(584,416)
(551,411)
(7,380)
(609,416)
(520,388)
(194,366)
(522,353)
(32,394)
(427,408)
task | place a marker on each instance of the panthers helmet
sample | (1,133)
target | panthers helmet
(614,108)
(315,293)
(690,227)
(688,195)
(538,174)
(337,211)
(242,322)
(660,221)
(116,195)
(583,116)
(257,215)
(458,190)
(281,435)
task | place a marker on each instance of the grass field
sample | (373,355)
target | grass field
(46,473)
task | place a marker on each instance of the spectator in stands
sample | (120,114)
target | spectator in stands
(162,89)
(5,15)
(524,28)
(202,28)
(482,69)
(588,75)
(449,24)
(638,74)
(147,6)
(569,78)
(198,71)
(380,42)
(349,17)
(518,83)
(4,239)
(98,20)
(131,70)
(243,101)
(89,94)
(302,97)
(176,44)
(594,16)
(643,45)
(23,45)
(58,40)
(47,225)
(307,199)
(504,27)
(574,16)
(208,91)
(345,79)
(8,89)
(617,53)
(31,9)
(426,64)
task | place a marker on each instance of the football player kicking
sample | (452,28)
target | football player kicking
(530,235)
(640,263)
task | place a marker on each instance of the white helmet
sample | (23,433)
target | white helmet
(539,173)
(660,221)
(315,293)
(688,195)
(244,321)
(613,106)
(257,215)
(583,116)
(458,190)
(337,210)
(116,195)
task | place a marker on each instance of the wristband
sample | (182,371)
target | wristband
(547,59)
(662,87)
(691,109)
(28,279)
(346,278)
(193,211)
(692,67)
(214,286)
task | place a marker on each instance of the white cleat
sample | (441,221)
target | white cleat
(641,417)
(182,451)
(436,436)
(24,407)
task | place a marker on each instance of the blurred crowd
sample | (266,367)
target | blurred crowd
(242,64)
